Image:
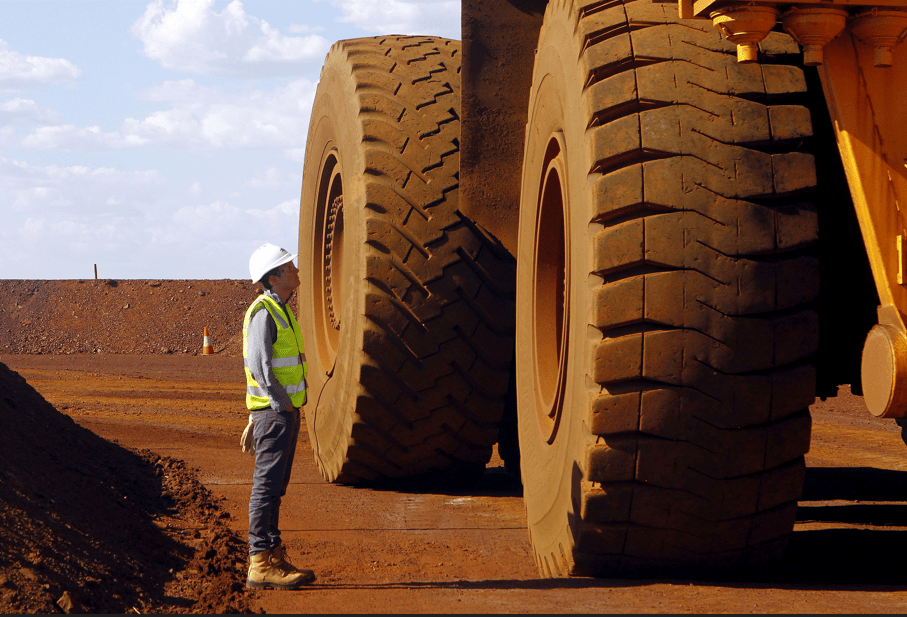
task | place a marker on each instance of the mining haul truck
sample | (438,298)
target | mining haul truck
(628,241)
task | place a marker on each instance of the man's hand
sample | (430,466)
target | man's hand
(247,441)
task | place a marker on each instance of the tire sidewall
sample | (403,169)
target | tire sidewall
(552,473)
(333,128)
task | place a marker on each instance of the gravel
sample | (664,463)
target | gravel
(129,316)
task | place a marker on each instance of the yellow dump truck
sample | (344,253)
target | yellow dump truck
(643,236)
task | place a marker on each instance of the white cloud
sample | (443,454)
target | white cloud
(73,138)
(78,189)
(26,111)
(18,71)
(257,119)
(196,188)
(286,208)
(210,217)
(302,28)
(436,18)
(32,229)
(272,177)
(74,213)
(277,222)
(25,198)
(198,116)
(297,155)
(221,221)
(184,90)
(72,243)
(190,36)
(82,236)
(127,223)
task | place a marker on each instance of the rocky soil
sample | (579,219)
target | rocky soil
(90,526)
(87,525)
(134,317)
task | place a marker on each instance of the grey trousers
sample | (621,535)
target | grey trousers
(275,434)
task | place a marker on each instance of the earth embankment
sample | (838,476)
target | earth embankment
(122,316)
(90,526)
(67,535)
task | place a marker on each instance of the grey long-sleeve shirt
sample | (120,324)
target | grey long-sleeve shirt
(260,337)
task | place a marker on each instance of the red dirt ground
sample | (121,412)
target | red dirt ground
(90,526)
(136,317)
(113,529)
(436,550)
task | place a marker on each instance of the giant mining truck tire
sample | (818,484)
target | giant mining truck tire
(665,277)
(407,306)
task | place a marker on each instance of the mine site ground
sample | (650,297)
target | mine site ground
(453,550)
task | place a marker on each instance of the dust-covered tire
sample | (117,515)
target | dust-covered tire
(406,305)
(664,280)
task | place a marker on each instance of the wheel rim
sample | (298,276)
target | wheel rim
(550,314)
(327,265)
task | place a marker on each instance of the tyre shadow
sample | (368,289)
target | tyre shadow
(843,557)
(858,559)
(490,482)
(850,556)
(854,484)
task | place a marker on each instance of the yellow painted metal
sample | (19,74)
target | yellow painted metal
(813,27)
(901,273)
(882,24)
(881,29)
(702,8)
(884,371)
(867,110)
(745,25)
(864,81)
(686,9)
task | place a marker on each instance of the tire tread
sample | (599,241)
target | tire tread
(429,302)
(705,251)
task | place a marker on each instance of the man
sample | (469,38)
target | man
(275,369)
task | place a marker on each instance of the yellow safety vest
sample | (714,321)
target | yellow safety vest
(288,358)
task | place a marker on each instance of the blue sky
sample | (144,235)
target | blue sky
(165,139)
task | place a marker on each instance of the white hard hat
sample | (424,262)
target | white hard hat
(266,258)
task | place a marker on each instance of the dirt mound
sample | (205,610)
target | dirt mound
(135,317)
(89,526)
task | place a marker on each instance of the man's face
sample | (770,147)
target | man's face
(287,277)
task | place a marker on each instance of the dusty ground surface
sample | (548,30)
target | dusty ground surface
(468,551)
(426,550)
(90,526)
(108,316)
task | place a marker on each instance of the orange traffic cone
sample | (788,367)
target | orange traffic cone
(207,349)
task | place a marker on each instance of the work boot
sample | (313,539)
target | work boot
(279,560)
(264,575)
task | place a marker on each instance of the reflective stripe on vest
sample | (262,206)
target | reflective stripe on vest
(262,393)
(288,356)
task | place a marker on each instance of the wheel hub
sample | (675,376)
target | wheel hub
(550,292)
(327,274)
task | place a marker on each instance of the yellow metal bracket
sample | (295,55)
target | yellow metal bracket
(901,259)
(865,103)
(880,24)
